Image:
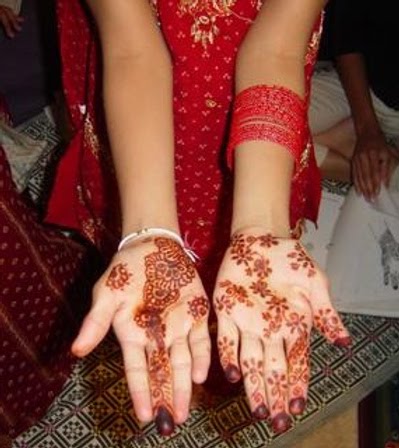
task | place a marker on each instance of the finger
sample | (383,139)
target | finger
(298,371)
(137,379)
(364,174)
(228,340)
(325,318)
(355,179)
(95,326)
(160,376)
(276,381)
(200,346)
(385,167)
(5,21)
(375,173)
(251,358)
(182,386)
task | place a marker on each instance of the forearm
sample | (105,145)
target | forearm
(138,103)
(263,170)
(138,107)
(352,71)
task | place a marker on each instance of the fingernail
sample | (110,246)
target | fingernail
(281,423)
(164,422)
(343,342)
(261,412)
(297,405)
(232,373)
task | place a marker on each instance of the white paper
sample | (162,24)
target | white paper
(317,240)
(363,257)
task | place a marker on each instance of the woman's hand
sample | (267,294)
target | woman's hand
(155,301)
(269,294)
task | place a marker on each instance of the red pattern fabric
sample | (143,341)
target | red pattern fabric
(203,93)
(41,298)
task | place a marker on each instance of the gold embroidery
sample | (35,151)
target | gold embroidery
(205,14)
(314,42)
(91,137)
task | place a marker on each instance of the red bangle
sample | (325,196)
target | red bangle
(268,113)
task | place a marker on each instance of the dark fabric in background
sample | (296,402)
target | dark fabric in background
(29,63)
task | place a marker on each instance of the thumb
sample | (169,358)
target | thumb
(95,325)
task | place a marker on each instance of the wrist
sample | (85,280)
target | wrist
(262,227)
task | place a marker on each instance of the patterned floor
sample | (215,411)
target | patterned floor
(94,410)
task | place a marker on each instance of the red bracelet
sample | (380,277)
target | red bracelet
(268,113)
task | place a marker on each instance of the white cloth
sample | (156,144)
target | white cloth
(329,106)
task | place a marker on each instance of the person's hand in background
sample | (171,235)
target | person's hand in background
(11,22)
(372,164)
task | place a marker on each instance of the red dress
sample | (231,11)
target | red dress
(44,289)
(203,38)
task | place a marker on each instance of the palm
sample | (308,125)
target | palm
(268,295)
(152,295)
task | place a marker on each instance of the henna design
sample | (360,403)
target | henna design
(268,240)
(275,315)
(228,359)
(328,323)
(118,278)
(167,270)
(252,371)
(302,260)
(261,288)
(159,373)
(298,361)
(297,323)
(198,308)
(279,388)
(233,294)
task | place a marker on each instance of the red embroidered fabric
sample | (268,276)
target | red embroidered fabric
(269,113)
(44,288)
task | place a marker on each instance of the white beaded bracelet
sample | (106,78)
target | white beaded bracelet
(158,231)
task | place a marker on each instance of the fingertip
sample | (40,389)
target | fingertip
(297,406)
(144,415)
(233,373)
(344,341)
(80,349)
(199,375)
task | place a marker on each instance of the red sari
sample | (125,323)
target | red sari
(203,38)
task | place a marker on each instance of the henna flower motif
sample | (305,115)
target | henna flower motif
(118,278)
(198,307)
(268,240)
(159,295)
(260,287)
(240,250)
(262,267)
(328,323)
(301,260)
(297,323)
(233,294)
(251,368)
(279,388)
(226,351)
(277,304)
(175,273)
